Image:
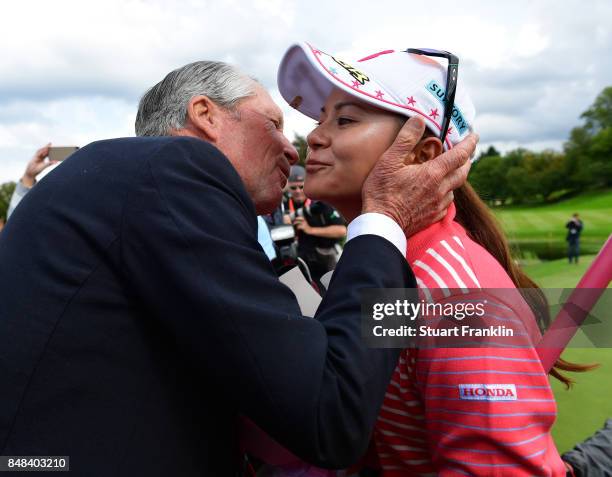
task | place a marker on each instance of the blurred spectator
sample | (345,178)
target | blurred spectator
(574,229)
(593,457)
(1,224)
(319,227)
(37,164)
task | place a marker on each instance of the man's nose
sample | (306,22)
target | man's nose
(291,153)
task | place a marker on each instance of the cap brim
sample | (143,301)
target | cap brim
(307,76)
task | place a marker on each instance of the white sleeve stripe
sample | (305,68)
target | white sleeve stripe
(404,448)
(403,436)
(448,268)
(399,425)
(461,260)
(425,290)
(399,412)
(458,241)
(434,276)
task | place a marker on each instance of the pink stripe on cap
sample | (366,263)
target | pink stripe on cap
(393,80)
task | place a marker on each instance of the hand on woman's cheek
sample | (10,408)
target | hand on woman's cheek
(347,143)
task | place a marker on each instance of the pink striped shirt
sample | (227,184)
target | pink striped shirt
(426,424)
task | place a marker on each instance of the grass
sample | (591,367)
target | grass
(558,273)
(546,223)
(584,408)
(538,230)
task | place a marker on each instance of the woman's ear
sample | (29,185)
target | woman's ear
(427,149)
(204,118)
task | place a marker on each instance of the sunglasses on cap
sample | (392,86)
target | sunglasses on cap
(451,83)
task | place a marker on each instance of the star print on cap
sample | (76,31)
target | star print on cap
(401,82)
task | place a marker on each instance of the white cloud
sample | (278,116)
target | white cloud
(72,71)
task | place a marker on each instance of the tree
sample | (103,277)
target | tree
(490,152)
(589,147)
(488,177)
(6,191)
(523,176)
(599,115)
(600,153)
(299,142)
(552,178)
(576,157)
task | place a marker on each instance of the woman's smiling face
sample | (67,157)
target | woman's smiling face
(343,148)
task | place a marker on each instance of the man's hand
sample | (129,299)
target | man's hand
(416,195)
(36,165)
(300,224)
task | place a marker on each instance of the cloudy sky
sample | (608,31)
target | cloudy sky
(72,71)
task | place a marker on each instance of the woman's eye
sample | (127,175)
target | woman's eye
(342,121)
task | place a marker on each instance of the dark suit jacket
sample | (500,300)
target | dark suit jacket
(139,316)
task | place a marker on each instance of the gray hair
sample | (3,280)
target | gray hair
(163,108)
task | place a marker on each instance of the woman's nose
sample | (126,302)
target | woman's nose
(317,138)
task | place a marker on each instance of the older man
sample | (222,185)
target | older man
(139,316)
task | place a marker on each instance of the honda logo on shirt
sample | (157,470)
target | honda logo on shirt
(488,392)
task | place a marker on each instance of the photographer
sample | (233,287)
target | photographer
(36,165)
(318,225)
(574,229)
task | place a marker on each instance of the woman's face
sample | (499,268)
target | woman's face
(343,148)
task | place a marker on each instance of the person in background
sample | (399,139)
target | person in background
(574,229)
(1,224)
(37,164)
(319,227)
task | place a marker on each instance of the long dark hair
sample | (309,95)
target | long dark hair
(482,227)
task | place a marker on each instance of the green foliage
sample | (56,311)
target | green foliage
(6,191)
(299,142)
(599,115)
(490,152)
(526,177)
(488,177)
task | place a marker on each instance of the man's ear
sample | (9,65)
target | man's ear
(204,118)
(427,149)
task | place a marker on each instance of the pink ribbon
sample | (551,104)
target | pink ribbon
(577,307)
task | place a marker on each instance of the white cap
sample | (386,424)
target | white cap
(401,82)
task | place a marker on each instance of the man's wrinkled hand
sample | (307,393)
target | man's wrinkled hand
(416,195)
